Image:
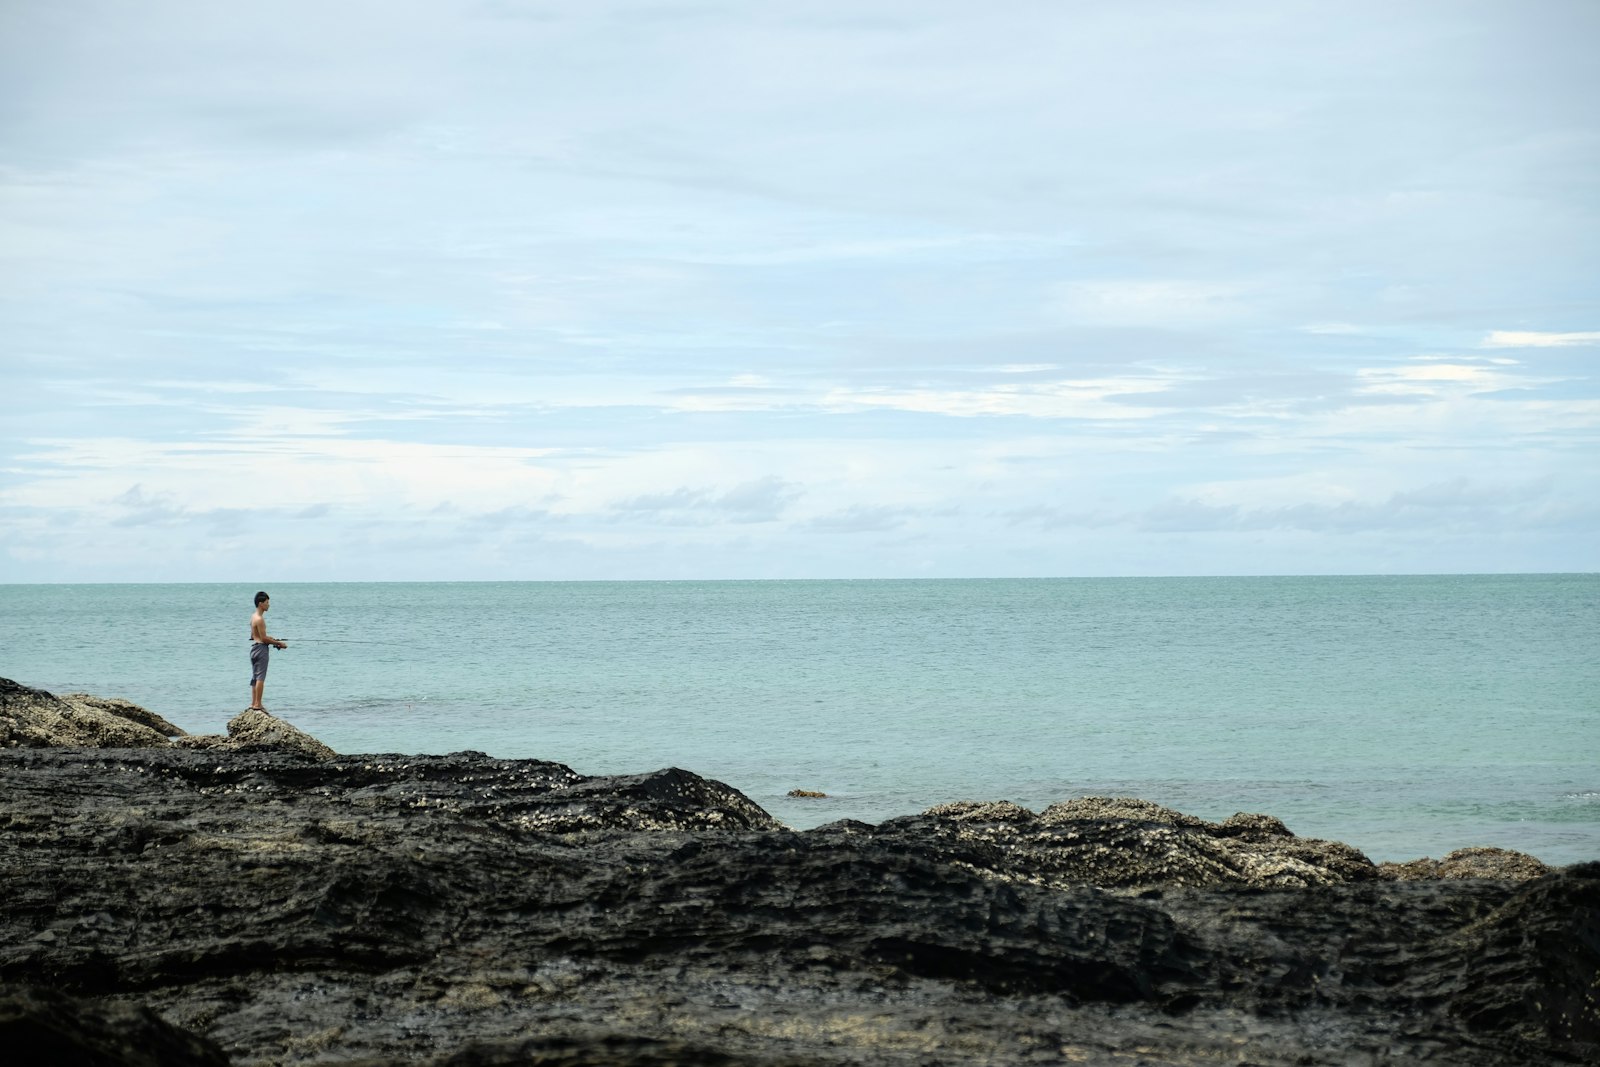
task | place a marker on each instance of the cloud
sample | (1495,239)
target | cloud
(1455,504)
(1101,398)
(1052,517)
(1437,379)
(141,508)
(1533,339)
(307,270)
(514,516)
(862,518)
(759,500)
(1142,302)
(1440,506)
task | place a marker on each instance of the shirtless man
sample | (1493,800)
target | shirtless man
(260,641)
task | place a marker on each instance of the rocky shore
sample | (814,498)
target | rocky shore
(256,898)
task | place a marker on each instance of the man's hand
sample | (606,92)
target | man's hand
(282,644)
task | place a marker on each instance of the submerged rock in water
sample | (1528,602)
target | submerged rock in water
(467,910)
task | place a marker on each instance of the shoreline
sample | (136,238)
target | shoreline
(1390,738)
(252,899)
(31,717)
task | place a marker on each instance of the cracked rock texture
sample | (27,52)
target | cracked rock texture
(270,906)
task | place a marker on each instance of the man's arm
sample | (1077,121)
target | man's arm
(258,632)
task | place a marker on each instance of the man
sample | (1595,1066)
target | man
(261,643)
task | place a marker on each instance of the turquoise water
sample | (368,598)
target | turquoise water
(1406,715)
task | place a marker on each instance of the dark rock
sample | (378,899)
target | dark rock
(1470,863)
(203,741)
(125,709)
(670,799)
(1129,844)
(606,1049)
(479,912)
(973,811)
(1530,968)
(254,730)
(44,1028)
(34,718)
(1253,827)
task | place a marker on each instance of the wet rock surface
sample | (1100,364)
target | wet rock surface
(279,907)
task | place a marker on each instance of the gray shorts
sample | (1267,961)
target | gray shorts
(258,661)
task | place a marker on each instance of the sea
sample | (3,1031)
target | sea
(1405,715)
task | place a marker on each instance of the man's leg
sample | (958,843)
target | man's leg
(258,673)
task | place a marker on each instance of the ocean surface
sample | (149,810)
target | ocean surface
(1407,716)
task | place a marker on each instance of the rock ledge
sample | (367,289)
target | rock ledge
(259,903)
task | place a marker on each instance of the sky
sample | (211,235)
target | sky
(486,289)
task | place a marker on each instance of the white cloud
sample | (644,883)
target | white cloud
(1435,379)
(1086,399)
(455,269)
(1535,339)
(300,472)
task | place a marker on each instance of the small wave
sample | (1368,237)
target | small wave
(1590,797)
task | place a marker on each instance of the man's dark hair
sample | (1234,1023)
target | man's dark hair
(259,598)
